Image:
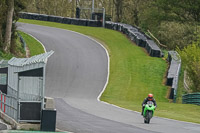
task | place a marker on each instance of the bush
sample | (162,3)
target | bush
(190,56)
(175,34)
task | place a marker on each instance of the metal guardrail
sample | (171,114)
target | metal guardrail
(192,98)
(173,73)
(22,40)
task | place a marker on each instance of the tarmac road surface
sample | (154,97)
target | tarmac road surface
(76,75)
(2,126)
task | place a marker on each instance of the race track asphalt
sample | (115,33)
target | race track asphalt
(76,74)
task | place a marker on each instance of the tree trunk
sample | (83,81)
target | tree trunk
(118,8)
(135,16)
(1,39)
(9,25)
(73,8)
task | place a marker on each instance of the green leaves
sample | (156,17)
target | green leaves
(180,10)
(5,6)
(190,56)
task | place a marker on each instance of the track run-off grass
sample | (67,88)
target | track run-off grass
(133,74)
(33,45)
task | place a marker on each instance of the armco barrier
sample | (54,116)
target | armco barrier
(22,41)
(66,21)
(52,18)
(173,73)
(83,22)
(152,48)
(132,32)
(74,21)
(115,26)
(127,28)
(137,37)
(140,39)
(120,26)
(108,25)
(192,98)
(43,17)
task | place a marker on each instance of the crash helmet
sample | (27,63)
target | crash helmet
(150,97)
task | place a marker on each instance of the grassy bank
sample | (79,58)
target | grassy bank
(5,56)
(33,45)
(133,74)
(18,52)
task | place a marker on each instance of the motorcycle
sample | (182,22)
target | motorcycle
(148,111)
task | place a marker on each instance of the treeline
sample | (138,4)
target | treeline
(173,22)
(8,16)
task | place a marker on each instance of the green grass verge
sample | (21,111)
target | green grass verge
(34,46)
(5,56)
(133,74)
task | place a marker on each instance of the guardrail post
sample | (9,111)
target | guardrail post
(18,102)
(1,100)
(103,23)
(4,104)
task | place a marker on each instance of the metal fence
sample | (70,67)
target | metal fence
(30,88)
(11,92)
(3,78)
(24,79)
(173,73)
(192,98)
(9,105)
(22,40)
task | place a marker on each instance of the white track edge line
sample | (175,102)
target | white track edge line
(38,41)
(45,52)
(98,98)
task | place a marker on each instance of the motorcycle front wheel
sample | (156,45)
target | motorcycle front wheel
(148,117)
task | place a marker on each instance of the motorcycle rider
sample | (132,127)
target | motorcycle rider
(149,98)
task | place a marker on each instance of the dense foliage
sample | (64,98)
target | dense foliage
(190,56)
(8,16)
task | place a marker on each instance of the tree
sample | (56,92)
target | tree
(118,9)
(175,34)
(2,18)
(190,57)
(8,16)
(73,9)
(133,9)
(179,10)
(9,25)
(173,22)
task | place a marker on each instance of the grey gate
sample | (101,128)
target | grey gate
(3,76)
(26,84)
